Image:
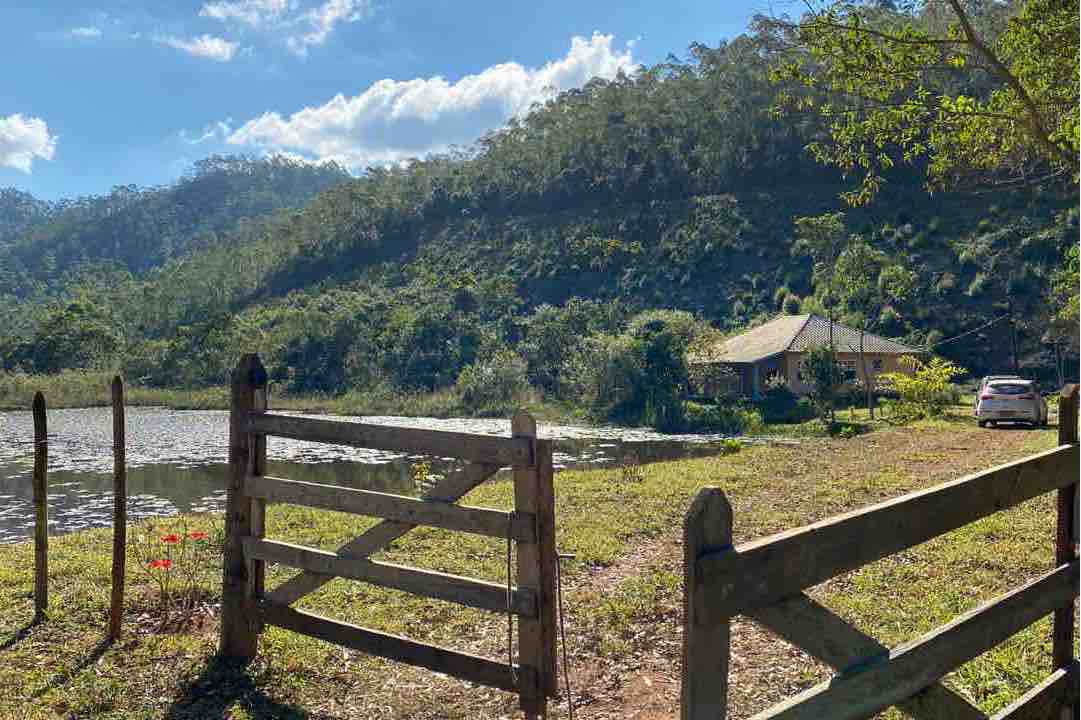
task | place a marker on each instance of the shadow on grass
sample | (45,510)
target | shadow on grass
(224,684)
(67,675)
(18,636)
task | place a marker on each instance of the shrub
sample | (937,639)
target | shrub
(494,384)
(727,419)
(926,392)
(780,405)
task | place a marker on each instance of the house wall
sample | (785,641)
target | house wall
(886,363)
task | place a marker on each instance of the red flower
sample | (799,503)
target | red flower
(171,539)
(198,535)
(161,564)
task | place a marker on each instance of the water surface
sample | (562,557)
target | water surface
(177,461)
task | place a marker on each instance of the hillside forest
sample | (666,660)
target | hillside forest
(578,252)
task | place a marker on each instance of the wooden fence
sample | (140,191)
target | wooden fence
(247,605)
(766,579)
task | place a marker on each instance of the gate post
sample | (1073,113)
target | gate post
(241,578)
(41,509)
(707,528)
(533,493)
(1065,536)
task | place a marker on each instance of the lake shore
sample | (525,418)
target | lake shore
(623,593)
(75,389)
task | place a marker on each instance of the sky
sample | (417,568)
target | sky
(117,92)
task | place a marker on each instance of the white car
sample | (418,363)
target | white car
(1010,400)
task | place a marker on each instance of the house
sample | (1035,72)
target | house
(777,348)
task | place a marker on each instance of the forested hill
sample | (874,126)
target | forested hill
(674,189)
(140,228)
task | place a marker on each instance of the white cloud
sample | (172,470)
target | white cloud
(393,120)
(320,22)
(85,32)
(22,139)
(217,132)
(250,12)
(206,46)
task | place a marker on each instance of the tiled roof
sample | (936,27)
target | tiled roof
(797,333)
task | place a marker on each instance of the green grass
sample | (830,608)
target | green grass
(85,388)
(623,590)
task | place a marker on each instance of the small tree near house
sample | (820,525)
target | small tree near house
(867,282)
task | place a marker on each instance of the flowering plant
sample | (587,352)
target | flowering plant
(181,563)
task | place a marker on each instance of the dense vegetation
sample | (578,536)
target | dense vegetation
(542,257)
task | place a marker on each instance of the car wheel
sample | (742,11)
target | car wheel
(982,423)
(993,423)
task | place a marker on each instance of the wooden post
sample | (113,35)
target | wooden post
(707,528)
(120,510)
(239,634)
(1065,547)
(41,509)
(533,493)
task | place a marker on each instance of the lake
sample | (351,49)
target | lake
(177,461)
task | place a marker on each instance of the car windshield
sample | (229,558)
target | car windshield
(1009,388)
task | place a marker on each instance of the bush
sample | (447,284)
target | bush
(780,405)
(927,392)
(494,384)
(727,419)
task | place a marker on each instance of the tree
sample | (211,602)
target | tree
(946,84)
(867,282)
(824,374)
(823,238)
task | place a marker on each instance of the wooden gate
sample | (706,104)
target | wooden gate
(247,606)
(766,579)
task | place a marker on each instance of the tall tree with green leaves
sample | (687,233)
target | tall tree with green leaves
(946,84)
(867,282)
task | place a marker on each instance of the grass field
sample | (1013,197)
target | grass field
(85,388)
(623,593)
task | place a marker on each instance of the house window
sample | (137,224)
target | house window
(876,364)
(848,370)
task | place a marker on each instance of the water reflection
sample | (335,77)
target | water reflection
(176,461)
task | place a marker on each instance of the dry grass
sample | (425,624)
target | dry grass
(623,596)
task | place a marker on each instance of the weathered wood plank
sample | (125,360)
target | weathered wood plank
(1062,632)
(41,509)
(765,571)
(120,510)
(450,489)
(239,634)
(428,583)
(480,448)
(827,637)
(532,633)
(393,647)
(1048,700)
(914,665)
(481,521)
(707,527)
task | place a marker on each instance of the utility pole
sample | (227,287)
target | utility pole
(1013,336)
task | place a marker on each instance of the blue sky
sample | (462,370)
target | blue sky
(117,92)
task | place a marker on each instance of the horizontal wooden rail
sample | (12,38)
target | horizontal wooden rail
(467,446)
(394,647)
(482,521)
(821,633)
(1058,691)
(428,583)
(765,571)
(914,665)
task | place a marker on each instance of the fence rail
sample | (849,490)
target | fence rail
(529,597)
(480,448)
(765,579)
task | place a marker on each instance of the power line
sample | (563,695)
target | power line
(964,334)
